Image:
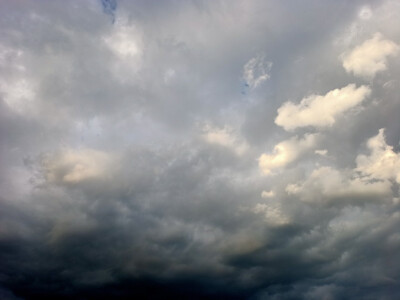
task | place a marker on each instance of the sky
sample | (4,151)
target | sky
(200,149)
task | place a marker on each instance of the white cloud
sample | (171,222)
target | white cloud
(286,152)
(19,95)
(256,71)
(76,165)
(320,110)
(326,183)
(382,163)
(17,89)
(370,178)
(365,13)
(124,41)
(370,57)
(225,137)
(322,152)
(267,194)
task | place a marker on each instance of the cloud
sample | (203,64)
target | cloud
(110,188)
(267,194)
(272,212)
(370,179)
(327,184)
(256,71)
(321,110)
(382,162)
(123,42)
(371,57)
(19,96)
(365,13)
(76,165)
(225,137)
(17,88)
(322,152)
(286,152)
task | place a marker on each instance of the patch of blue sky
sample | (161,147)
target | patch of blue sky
(109,8)
(244,88)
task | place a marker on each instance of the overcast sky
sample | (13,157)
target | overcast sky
(200,149)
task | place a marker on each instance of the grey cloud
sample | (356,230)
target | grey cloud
(129,152)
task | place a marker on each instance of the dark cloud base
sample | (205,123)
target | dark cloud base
(130,289)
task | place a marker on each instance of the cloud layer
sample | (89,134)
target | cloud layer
(199,150)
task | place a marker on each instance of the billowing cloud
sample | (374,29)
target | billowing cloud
(370,179)
(321,110)
(286,152)
(382,162)
(370,57)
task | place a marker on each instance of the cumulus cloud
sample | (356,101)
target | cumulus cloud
(321,110)
(286,152)
(371,177)
(382,162)
(371,57)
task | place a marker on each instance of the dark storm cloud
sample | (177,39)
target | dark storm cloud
(132,157)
